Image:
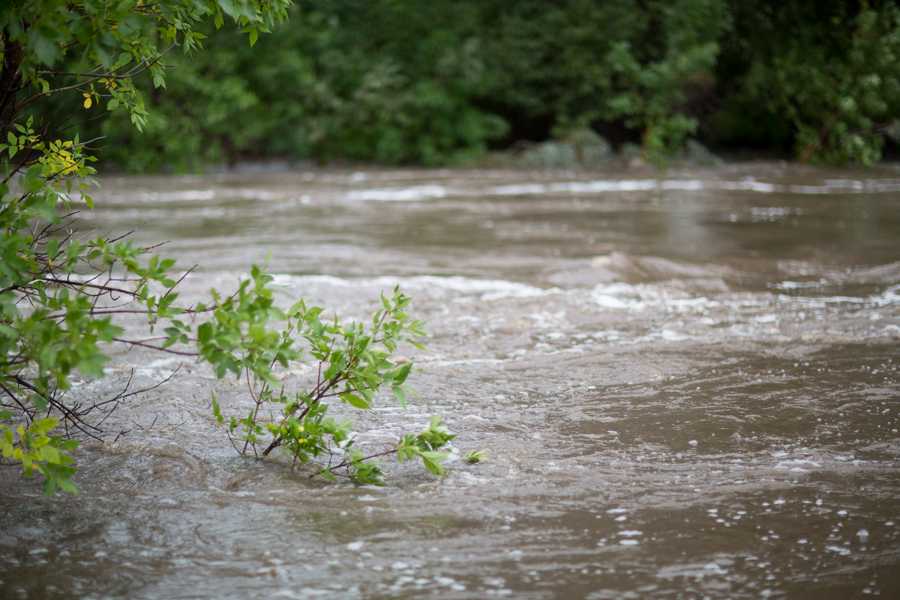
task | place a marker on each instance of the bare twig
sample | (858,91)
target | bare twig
(158,348)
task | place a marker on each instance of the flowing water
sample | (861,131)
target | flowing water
(686,384)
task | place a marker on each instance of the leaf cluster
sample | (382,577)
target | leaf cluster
(353,361)
(59,296)
(37,450)
(426,446)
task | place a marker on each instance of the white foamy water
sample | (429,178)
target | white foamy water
(399,194)
(605,186)
(488,289)
(196,195)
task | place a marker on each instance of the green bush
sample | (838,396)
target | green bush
(62,298)
(828,74)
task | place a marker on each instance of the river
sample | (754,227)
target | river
(686,385)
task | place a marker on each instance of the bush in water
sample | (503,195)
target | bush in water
(61,296)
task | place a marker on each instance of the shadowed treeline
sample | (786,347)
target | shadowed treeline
(406,82)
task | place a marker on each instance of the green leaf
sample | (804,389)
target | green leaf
(354,400)
(400,395)
(50,454)
(217,411)
(67,486)
(229,7)
(43,45)
(433,460)
(402,373)
(205,332)
(475,456)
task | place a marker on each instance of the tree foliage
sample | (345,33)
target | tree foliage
(825,74)
(62,297)
(396,82)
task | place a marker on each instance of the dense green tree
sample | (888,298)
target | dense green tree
(822,76)
(399,82)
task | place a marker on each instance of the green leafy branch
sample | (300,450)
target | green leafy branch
(62,298)
(354,361)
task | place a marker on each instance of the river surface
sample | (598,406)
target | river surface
(687,386)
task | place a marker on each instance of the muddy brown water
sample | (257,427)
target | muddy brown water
(686,384)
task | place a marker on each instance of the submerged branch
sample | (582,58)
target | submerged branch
(346,463)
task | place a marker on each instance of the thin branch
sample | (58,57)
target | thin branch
(152,347)
(28,413)
(177,283)
(71,417)
(103,288)
(348,462)
(126,394)
(140,67)
(257,398)
(319,392)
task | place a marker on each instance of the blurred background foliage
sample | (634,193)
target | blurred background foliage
(444,82)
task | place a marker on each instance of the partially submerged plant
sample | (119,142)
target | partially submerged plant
(353,362)
(62,299)
(475,456)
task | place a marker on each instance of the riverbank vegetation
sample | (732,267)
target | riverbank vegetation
(447,82)
(65,300)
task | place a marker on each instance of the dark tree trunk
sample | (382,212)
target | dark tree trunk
(10,82)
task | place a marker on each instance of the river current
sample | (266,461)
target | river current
(687,385)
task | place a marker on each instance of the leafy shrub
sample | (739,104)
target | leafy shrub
(826,75)
(61,296)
